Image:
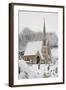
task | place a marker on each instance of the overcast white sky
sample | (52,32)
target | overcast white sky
(35,21)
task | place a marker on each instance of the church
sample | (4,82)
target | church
(38,51)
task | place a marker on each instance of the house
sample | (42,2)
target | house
(38,51)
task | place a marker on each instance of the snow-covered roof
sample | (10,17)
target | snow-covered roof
(33,47)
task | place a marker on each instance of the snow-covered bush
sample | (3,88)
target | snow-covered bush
(26,71)
(23,66)
(23,75)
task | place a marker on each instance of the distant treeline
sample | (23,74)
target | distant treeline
(27,35)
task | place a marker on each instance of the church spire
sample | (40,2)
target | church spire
(44,34)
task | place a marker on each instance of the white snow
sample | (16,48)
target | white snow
(33,47)
(32,71)
(26,71)
(54,52)
(23,66)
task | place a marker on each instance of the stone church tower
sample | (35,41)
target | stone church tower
(46,51)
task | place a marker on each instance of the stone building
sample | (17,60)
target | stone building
(38,51)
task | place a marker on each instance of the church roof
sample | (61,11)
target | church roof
(33,47)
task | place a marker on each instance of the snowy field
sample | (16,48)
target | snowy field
(28,71)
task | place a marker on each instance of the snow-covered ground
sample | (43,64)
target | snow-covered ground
(46,70)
